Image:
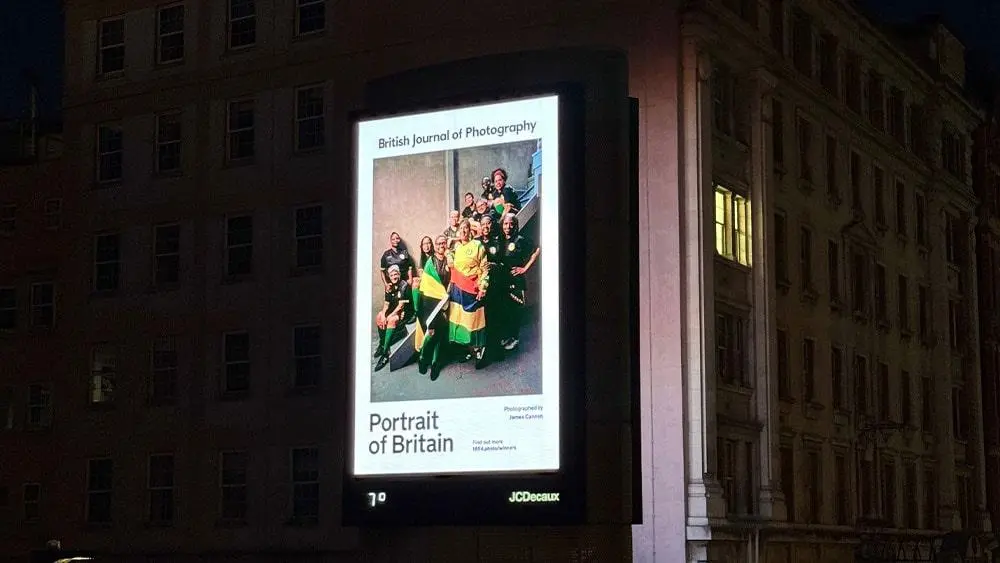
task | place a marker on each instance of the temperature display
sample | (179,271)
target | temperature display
(376,498)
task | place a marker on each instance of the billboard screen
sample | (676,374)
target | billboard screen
(457,292)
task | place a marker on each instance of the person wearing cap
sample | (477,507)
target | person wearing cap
(397,311)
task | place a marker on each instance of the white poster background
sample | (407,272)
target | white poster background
(509,445)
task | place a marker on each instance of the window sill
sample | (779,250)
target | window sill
(308,35)
(237,50)
(233,279)
(736,388)
(168,174)
(164,287)
(841,417)
(234,396)
(240,162)
(231,523)
(103,293)
(109,76)
(309,151)
(100,185)
(173,63)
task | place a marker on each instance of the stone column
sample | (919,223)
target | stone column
(973,373)
(704,494)
(771,502)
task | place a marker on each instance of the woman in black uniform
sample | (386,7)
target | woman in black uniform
(396,255)
(519,256)
(494,303)
(397,311)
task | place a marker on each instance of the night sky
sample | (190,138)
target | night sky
(31,37)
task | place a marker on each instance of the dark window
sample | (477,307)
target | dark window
(724,101)
(788,481)
(900,207)
(778,25)
(43,304)
(161,488)
(233,482)
(828,63)
(731,349)
(927,404)
(889,492)
(930,499)
(784,376)
(310,16)
(239,246)
(103,375)
(959,414)
(837,378)
(240,130)
(842,490)
(168,142)
(802,47)
(107,262)
(100,479)
(924,313)
(814,482)
(309,237)
(921,212)
(903,304)
(859,280)
(308,356)
(805,258)
(905,398)
(163,384)
(881,295)
(878,186)
(897,111)
(167,254)
(833,270)
(53,214)
(856,181)
(109,153)
(780,249)
(778,134)
(862,402)
(809,369)
(876,101)
(832,188)
(309,121)
(170,34)
(111,46)
(852,81)
(911,514)
(39,406)
(237,362)
(953,153)
(242,23)
(804,130)
(884,402)
(305,484)
(32,502)
(8,219)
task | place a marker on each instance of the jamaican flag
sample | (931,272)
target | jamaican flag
(428,300)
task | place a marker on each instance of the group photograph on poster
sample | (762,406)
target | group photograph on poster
(455,273)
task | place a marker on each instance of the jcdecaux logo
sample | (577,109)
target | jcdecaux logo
(529,497)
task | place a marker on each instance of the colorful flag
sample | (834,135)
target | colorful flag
(426,301)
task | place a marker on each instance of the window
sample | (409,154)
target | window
(784,377)
(240,130)
(828,63)
(53,214)
(42,304)
(237,362)
(724,101)
(109,153)
(889,492)
(242,23)
(911,513)
(859,279)
(866,487)
(736,474)
(167,254)
(809,369)
(856,181)
(861,397)
(731,349)
(905,398)
(308,356)
(777,25)
(780,249)
(896,115)
(8,308)
(805,259)
(309,128)
(959,414)
(168,142)
(32,502)
(310,16)
(103,369)
(900,208)
(963,499)
(788,481)
(170,34)
(876,101)
(832,188)
(804,130)
(778,134)
(8,219)
(814,482)
(111,46)
(161,488)
(953,239)
(953,153)
(852,81)
(802,47)
(309,237)
(833,271)
(100,479)
(930,499)
(305,484)
(917,132)
(163,383)
(6,413)
(107,262)
(881,295)
(903,303)
(732,226)
(921,212)
(233,482)
(924,312)
(841,489)
(927,404)
(878,186)
(955,325)
(837,378)
(39,406)
(239,246)
(884,400)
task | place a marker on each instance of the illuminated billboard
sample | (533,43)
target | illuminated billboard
(457,355)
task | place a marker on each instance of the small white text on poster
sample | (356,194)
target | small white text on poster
(468,132)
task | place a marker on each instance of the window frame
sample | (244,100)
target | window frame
(161,36)
(299,5)
(161,373)
(8,311)
(109,128)
(225,501)
(300,358)
(227,363)
(168,144)
(734,234)
(102,48)
(170,256)
(8,219)
(303,240)
(35,501)
(52,208)
(235,134)
(312,486)
(42,406)
(230,271)
(93,491)
(231,21)
(319,135)
(103,374)
(98,263)
(161,493)
(37,307)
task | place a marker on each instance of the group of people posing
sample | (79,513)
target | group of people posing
(465,291)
